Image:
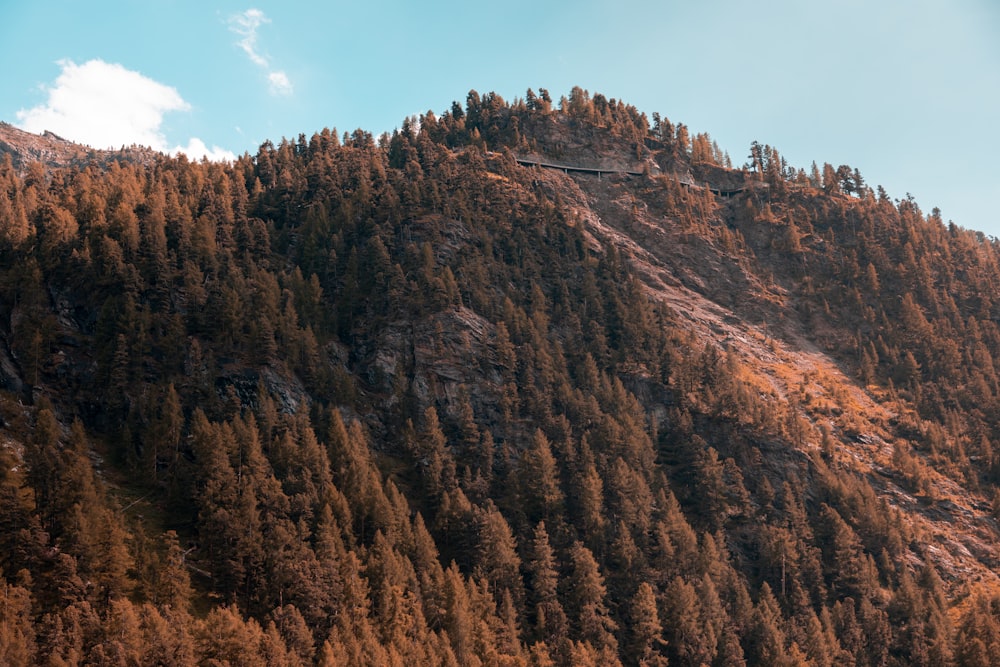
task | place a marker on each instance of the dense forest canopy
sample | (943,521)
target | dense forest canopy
(405,400)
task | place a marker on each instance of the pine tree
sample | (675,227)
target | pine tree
(167,637)
(690,639)
(123,639)
(645,628)
(849,569)
(589,498)
(17,631)
(438,464)
(541,496)
(543,580)
(173,583)
(586,597)
(767,640)
(497,561)
(294,634)
(224,637)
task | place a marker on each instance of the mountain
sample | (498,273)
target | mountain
(49,150)
(522,383)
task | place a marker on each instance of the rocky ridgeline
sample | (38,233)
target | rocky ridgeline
(54,152)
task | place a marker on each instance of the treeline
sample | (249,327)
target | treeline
(351,401)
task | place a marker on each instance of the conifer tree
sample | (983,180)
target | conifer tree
(17,631)
(585,593)
(497,561)
(543,582)
(541,496)
(645,628)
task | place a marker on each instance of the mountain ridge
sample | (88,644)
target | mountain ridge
(54,152)
(359,402)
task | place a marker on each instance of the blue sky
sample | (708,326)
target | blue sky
(907,91)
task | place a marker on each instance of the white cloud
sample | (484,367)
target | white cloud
(280,85)
(106,105)
(196,150)
(245,25)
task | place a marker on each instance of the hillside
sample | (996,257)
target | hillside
(416,401)
(50,151)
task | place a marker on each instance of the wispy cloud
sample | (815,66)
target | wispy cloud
(246,25)
(106,105)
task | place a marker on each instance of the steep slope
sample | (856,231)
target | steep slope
(715,293)
(418,401)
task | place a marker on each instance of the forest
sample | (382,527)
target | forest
(401,400)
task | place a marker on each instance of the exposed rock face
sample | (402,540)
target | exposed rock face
(284,388)
(438,358)
(10,374)
(717,293)
(52,151)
